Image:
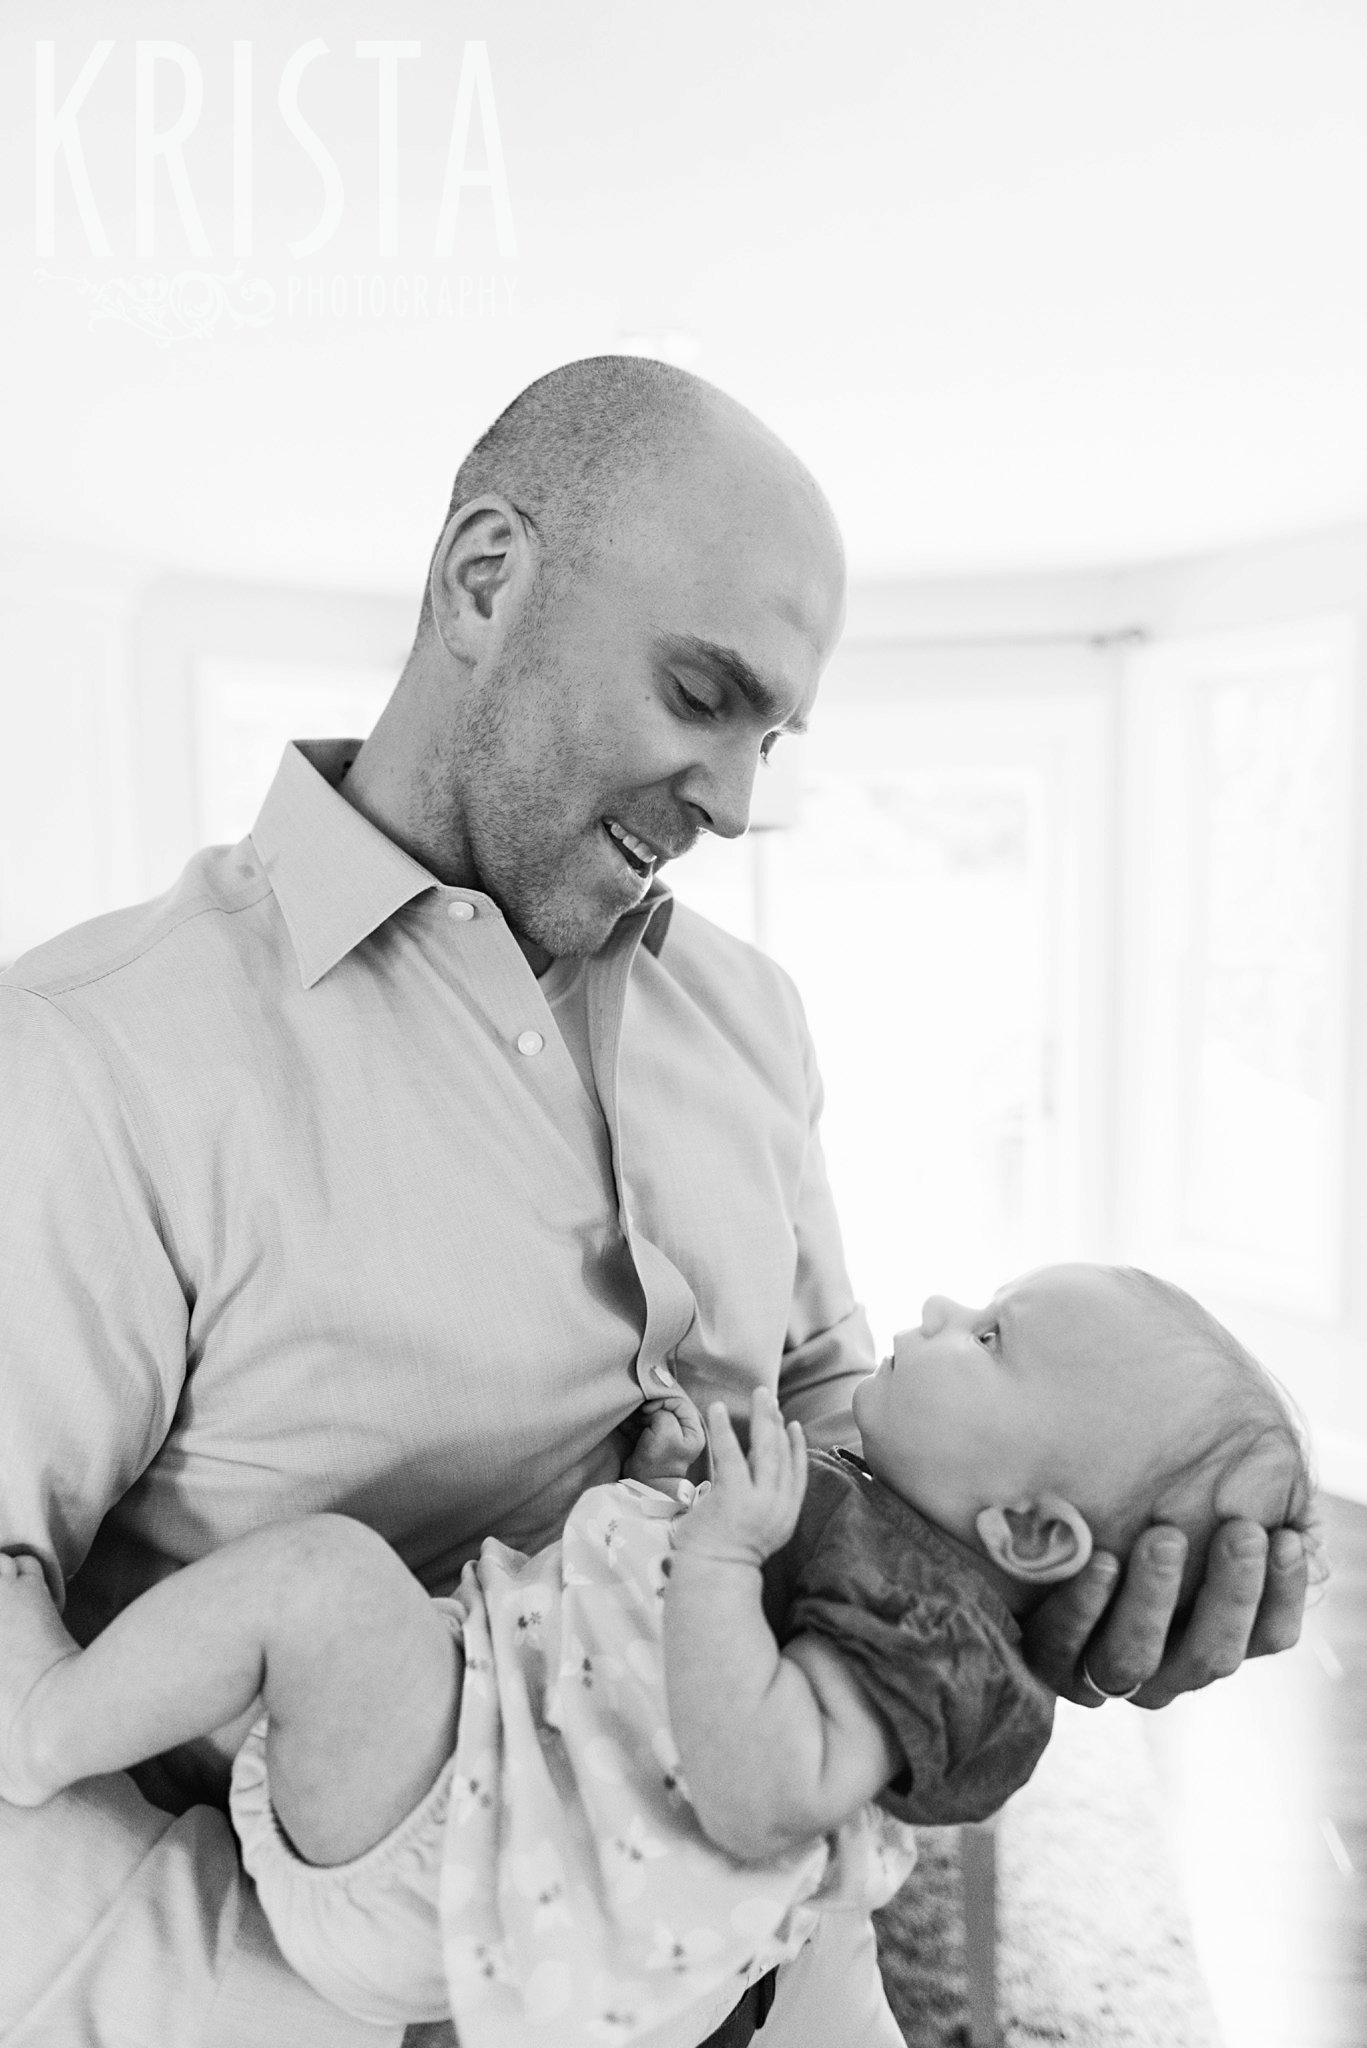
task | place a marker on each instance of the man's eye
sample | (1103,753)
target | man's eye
(698,706)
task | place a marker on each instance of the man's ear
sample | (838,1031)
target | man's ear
(484,553)
(1037,1541)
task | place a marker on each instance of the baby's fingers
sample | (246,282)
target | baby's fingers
(778,1451)
(797,1463)
(768,1445)
(677,1404)
(728,1459)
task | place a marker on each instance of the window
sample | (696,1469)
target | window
(939,903)
(1233,1080)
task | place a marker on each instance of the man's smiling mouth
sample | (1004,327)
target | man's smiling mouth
(639,857)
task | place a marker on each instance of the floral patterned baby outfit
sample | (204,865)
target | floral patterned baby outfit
(580,1901)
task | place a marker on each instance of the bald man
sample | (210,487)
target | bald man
(391,1160)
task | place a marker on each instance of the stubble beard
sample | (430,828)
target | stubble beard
(511,818)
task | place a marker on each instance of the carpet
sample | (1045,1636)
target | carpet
(1094,1950)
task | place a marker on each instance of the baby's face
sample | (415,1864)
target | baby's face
(1050,1388)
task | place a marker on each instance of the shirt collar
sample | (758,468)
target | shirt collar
(657,908)
(337,877)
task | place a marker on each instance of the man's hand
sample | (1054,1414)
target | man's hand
(752,1507)
(1249,1604)
(672,1436)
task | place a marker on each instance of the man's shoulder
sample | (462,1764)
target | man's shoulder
(218,883)
(696,947)
(742,993)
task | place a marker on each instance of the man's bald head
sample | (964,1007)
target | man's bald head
(631,602)
(575,449)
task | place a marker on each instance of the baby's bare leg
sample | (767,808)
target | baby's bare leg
(363,1701)
(317,1619)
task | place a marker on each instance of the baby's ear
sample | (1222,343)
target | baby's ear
(1038,1541)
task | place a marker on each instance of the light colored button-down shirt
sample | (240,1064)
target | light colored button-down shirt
(306,1205)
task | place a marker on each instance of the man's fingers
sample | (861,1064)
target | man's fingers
(1056,1633)
(1128,1648)
(1249,1602)
(1282,1607)
(1215,1640)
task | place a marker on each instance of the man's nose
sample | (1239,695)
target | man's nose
(720,789)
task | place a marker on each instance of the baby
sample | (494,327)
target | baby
(510,1804)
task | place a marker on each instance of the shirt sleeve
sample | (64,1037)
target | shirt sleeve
(92,1316)
(829,1346)
(115,1917)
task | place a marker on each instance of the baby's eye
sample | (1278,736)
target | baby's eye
(988,1337)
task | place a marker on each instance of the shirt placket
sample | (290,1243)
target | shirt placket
(497,980)
(669,1301)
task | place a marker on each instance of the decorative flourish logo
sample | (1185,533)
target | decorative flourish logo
(186,307)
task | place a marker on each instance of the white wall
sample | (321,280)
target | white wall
(182,622)
(67,829)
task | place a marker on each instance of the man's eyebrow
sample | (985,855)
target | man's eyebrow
(733,668)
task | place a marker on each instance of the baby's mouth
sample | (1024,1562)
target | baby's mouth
(639,857)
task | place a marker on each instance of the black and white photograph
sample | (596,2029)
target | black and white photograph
(683,1024)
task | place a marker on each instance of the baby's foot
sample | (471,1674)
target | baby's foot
(32,1642)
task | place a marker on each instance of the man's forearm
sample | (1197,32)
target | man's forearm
(817,1380)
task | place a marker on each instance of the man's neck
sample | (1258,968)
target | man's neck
(363,790)
(538,959)
(387,794)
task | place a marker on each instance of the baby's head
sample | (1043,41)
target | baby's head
(1081,1405)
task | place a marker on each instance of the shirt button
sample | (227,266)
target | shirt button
(530,1043)
(460,911)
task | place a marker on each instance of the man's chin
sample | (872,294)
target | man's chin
(572,931)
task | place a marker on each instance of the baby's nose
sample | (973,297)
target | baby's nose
(935,1314)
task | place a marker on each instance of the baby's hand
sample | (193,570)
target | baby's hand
(671,1438)
(752,1507)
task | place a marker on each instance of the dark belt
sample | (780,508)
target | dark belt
(745,2020)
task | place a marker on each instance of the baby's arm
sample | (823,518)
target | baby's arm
(317,1618)
(777,1747)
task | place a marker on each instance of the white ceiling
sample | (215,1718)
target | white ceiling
(1061,282)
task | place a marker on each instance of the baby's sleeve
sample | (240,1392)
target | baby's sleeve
(968,1720)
